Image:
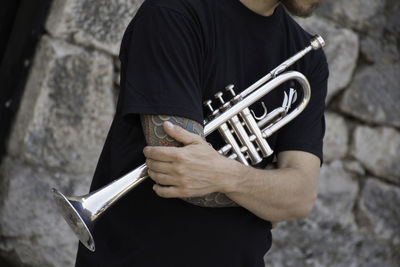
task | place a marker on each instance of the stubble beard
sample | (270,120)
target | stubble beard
(296,9)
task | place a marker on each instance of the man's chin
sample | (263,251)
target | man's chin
(307,12)
(300,11)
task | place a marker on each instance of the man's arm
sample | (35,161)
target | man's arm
(281,194)
(155,136)
(195,169)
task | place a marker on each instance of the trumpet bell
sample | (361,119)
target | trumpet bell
(74,214)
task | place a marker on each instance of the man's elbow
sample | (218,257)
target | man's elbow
(307,194)
(305,206)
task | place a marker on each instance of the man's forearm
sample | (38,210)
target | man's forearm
(155,136)
(274,195)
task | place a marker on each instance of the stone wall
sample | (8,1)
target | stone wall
(69,102)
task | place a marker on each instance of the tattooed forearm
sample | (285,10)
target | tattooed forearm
(154,132)
(213,200)
(155,136)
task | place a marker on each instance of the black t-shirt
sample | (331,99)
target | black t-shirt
(174,55)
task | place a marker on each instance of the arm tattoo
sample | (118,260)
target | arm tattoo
(155,136)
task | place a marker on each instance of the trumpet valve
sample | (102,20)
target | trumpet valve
(213,113)
(207,104)
(229,88)
(225,149)
(218,96)
(235,98)
(225,105)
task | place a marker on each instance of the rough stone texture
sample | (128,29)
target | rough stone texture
(60,128)
(374,95)
(354,167)
(336,137)
(378,50)
(392,16)
(329,237)
(362,15)
(380,203)
(98,23)
(67,108)
(337,193)
(378,149)
(341,51)
(32,232)
(385,48)
(307,244)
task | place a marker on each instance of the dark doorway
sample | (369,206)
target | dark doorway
(21,26)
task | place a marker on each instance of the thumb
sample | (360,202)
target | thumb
(181,135)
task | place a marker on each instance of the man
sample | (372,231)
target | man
(200,208)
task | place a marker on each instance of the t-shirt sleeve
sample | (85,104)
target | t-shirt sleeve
(163,65)
(306,132)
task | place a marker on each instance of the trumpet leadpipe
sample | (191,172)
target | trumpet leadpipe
(315,43)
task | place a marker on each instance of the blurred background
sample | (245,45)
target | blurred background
(59,76)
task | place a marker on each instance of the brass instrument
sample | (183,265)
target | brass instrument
(233,118)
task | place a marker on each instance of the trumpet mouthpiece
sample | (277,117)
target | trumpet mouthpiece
(317,42)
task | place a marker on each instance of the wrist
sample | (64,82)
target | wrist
(233,177)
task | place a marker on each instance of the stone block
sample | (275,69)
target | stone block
(380,203)
(354,166)
(98,23)
(336,137)
(32,231)
(378,150)
(380,50)
(362,15)
(330,236)
(342,46)
(66,110)
(392,15)
(307,244)
(337,194)
(374,95)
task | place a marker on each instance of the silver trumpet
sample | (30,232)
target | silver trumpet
(234,121)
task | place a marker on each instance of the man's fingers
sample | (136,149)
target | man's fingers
(158,166)
(180,134)
(170,153)
(161,153)
(160,178)
(167,191)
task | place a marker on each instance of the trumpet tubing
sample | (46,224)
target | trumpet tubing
(245,139)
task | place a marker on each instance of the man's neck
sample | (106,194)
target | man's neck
(262,7)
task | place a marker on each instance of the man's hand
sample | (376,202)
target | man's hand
(192,170)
